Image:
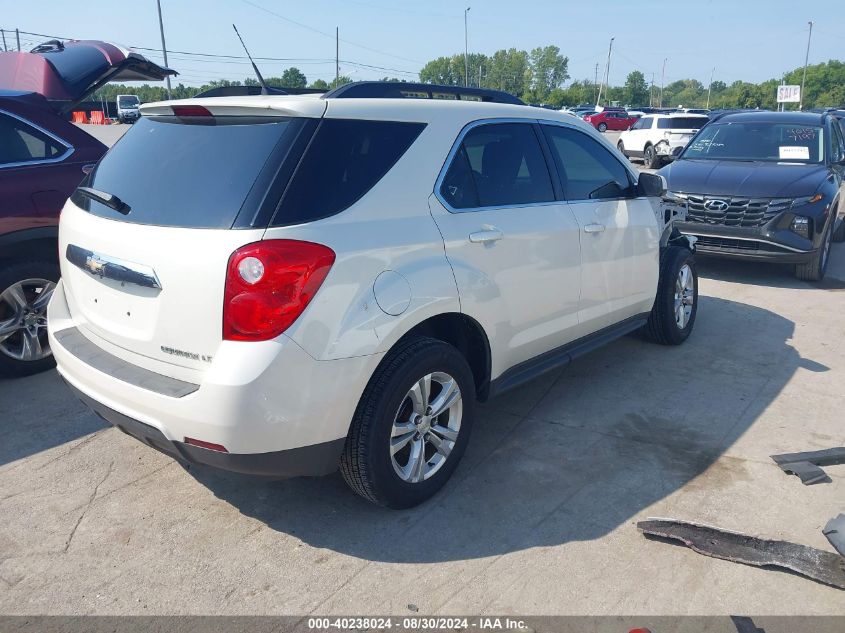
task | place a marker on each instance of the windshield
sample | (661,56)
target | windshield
(759,141)
(127,102)
(681,123)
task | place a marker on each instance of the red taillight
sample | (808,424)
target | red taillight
(190,110)
(269,284)
(208,445)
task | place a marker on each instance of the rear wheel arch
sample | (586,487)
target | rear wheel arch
(466,335)
(41,244)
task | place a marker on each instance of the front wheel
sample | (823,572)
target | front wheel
(676,304)
(621,147)
(411,426)
(602,127)
(815,269)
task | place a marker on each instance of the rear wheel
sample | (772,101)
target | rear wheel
(411,426)
(25,291)
(650,158)
(815,269)
(602,127)
(676,304)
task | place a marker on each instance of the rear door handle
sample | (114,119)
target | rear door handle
(594,228)
(486,237)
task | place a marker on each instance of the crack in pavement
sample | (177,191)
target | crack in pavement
(72,449)
(87,506)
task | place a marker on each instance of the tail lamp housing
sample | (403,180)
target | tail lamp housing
(268,286)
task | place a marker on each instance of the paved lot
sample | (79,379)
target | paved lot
(539,518)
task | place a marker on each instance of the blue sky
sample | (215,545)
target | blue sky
(743,39)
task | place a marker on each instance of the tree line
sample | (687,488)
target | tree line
(540,77)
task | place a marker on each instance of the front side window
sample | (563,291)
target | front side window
(498,164)
(588,171)
(21,143)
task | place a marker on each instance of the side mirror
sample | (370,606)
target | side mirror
(651,185)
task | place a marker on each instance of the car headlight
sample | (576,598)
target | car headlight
(801,226)
(674,196)
(800,202)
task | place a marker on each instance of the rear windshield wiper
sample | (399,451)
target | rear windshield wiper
(108,199)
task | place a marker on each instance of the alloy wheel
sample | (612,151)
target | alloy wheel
(23,319)
(684,296)
(426,427)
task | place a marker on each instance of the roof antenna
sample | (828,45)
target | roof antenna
(264,90)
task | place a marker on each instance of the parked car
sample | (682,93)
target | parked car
(609,119)
(656,138)
(764,186)
(128,108)
(315,282)
(42,160)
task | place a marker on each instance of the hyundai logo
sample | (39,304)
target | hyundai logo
(716,205)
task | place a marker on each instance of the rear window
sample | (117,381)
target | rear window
(681,123)
(186,175)
(345,159)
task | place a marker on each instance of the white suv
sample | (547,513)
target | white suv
(657,137)
(283,284)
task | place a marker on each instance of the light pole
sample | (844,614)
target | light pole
(163,45)
(662,82)
(466,48)
(806,59)
(710,87)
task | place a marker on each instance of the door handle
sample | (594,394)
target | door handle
(594,228)
(486,237)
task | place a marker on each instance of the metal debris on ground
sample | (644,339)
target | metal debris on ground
(824,567)
(835,533)
(807,465)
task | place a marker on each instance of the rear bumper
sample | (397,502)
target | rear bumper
(306,461)
(275,409)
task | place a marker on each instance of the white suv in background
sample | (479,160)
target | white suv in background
(282,285)
(657,137)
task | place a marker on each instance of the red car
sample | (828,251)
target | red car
(616,120)
(43,158)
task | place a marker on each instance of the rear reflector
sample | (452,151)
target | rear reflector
(269,284)
(209,445)
(190,110)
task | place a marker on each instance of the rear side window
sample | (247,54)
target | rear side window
(345,159)
(498,165)
(21,143)
(681,123)
(172,173)
(588,171)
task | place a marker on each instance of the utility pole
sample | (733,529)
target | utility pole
(606,71)
(806,59)
(336,56)
(596,83)
(18,38)
(3,33)
(710,87)
(466,48)
(662,82)
(651,92)
(479,75)
(163,45)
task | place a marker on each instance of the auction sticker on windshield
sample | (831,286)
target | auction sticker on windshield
(790,152)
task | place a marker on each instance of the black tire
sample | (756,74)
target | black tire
(662,326)
(816,267)
(650,158)
(11,274)
(602,127)
(839,233)
(366,462)
(621,147)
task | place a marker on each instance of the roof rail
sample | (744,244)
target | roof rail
(407,90)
